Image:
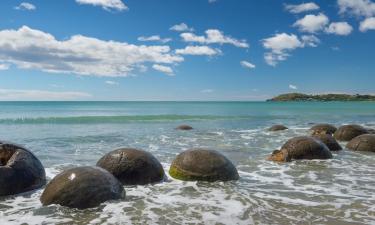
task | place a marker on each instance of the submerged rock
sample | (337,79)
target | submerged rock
(328,140)
(184,127)
(203,165)
(323,128)
(277,127)
(82,187)
(301,148)
(133,166)
(20,170)
(348,132)
(364,142)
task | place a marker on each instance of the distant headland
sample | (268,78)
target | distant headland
(321,98)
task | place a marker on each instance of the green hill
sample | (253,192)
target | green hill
(322,97)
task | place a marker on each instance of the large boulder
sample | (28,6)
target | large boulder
(82,187)
(364,142)
(203,165)
(20,170)
(184,127)
(348,132)
(323,128)
(277,127)
(301,148)
(133,166)
(328,140)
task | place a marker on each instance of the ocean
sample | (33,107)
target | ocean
(68,134)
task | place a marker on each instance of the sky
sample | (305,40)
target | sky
(184,50)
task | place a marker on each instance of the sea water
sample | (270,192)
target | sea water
(68,134)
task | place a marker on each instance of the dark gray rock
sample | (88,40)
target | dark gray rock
(323,128)
(184,127)
(277,127)
(133,166)
(364,142)
(82,187)
(328,140)
(348,132)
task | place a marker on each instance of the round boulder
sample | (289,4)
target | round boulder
(203,165)
(277,127)
(348,132)
(364,142)
(82,187)
(323,128)
(184,127)
(328,140)
(20,170)
(301,148)
(133,166)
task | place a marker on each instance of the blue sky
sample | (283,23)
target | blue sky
(184,49)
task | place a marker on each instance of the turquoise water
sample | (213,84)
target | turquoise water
(67,134)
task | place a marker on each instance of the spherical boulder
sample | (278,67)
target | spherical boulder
(348,132)
(277,127)
(133,166)
(20,170)
(203,165)
(323,128)
(82,187)
(184,127)
(364,142)
(301,148)
(328,140)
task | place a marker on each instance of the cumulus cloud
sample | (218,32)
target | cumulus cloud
(339,28)
(247,64)
(362,8)
(34,49)
(40,95)
(305,7)
(198,50)
(182,27)
(105,4)
(214,36)
(25,6)
(110,82)
(155,38)
(164,69)
(4,66)
(367,24)
(280,45)
(312,23)
(293,87)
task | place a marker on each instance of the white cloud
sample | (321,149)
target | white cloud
(247,64)
(212,1)
(214,36)
(34,49)
(154,38)
(367,24)
(4,67)
(181,28)
(110,82)
(293,87)
(198,50)
(339,28)
(304,7)
(25,6)
(280,45)
(164,69)
(105,4)
(364,8)
(207,91)
(40,95)
(312,23)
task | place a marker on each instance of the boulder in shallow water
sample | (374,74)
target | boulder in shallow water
(20,170)
(184,127)
(348,132)
(277,127)
(301,148)
(323,128)
(82,187)
(133,166)
(328,140)
(364,142)
(203,165)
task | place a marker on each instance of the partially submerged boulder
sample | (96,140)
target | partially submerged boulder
(328,140)
(133,166)
(82,187)
(301,148)
(184,127)
(364,142)
(20,170)
(203,165)
(277,127)
(323,128)
(348,132)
